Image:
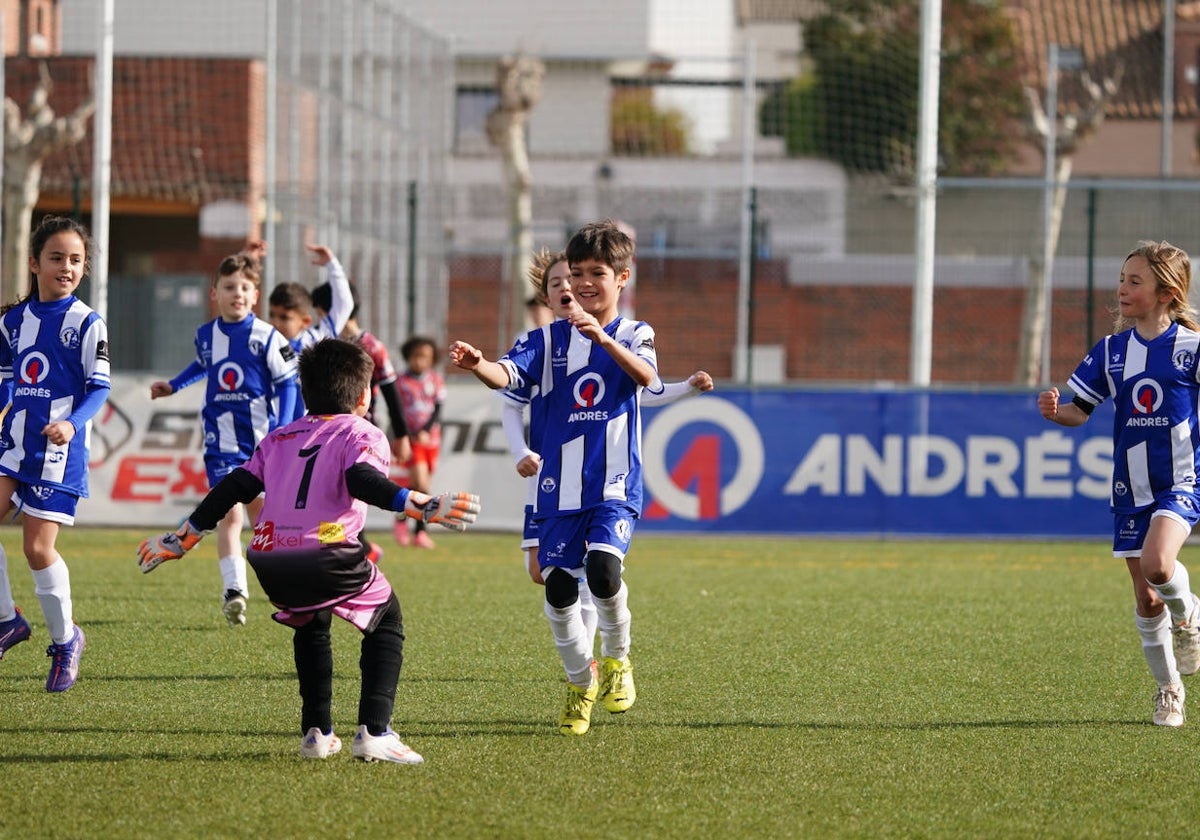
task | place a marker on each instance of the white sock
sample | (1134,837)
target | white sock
(8,610)
(1177,594)
(587,609)
(613,619)
(1156,646)
(53,588)
(233,573)
(574,646)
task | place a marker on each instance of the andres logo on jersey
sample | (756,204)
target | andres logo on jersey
(35,368)
(1147,399)
(588,392)
(231,377)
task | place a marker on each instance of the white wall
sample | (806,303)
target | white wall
(169,27)
(539,27)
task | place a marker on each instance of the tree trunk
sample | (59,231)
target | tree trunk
(28,141)
(519,83)
(520,219)
(21,180)
(1035,318)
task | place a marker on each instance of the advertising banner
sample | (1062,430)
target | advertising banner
(854,462)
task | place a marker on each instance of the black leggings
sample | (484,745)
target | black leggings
(381,657)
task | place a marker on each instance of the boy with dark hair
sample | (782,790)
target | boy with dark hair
(319,473)
(383,378)
(290,310)
(590,368)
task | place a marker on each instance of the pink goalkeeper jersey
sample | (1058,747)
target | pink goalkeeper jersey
(303,469)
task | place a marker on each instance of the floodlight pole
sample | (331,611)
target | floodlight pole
(1048,205)
(270,161)
(921,352)
(102,158)
(743,371)
(1168,87)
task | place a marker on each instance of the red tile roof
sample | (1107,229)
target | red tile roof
(1108,32)
(182,128)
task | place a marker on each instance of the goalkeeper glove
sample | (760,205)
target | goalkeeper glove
(450,510)
(169,546)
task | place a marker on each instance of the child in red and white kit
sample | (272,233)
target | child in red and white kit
(422,393)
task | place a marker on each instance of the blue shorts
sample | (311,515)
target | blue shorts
(1130,529)
(564,541)
(219,466)
(49,503)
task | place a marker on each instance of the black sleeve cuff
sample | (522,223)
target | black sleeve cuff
(1084,406)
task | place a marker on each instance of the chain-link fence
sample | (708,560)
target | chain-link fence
(362,107)
(764,158)
(819,167)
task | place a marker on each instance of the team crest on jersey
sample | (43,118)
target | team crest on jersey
(1184,360)
(230,376)
(1119,488)
(69,338)
(255,346)
(35,367)
(548,485)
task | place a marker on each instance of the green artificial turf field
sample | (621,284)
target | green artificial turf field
(786,688)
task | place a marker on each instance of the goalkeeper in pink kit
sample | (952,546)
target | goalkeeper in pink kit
(319,474)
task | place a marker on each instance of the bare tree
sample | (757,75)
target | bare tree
(28,141)
(519,82)
(1073,129)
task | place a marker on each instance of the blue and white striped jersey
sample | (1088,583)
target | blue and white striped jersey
(244,364)
(1154,386)
(51,355)
(341,302)
(588,423)
(331,326)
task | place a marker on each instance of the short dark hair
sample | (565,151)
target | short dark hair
(322,298)
(291,296)
(333,374)
(603,242)
(407,348)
